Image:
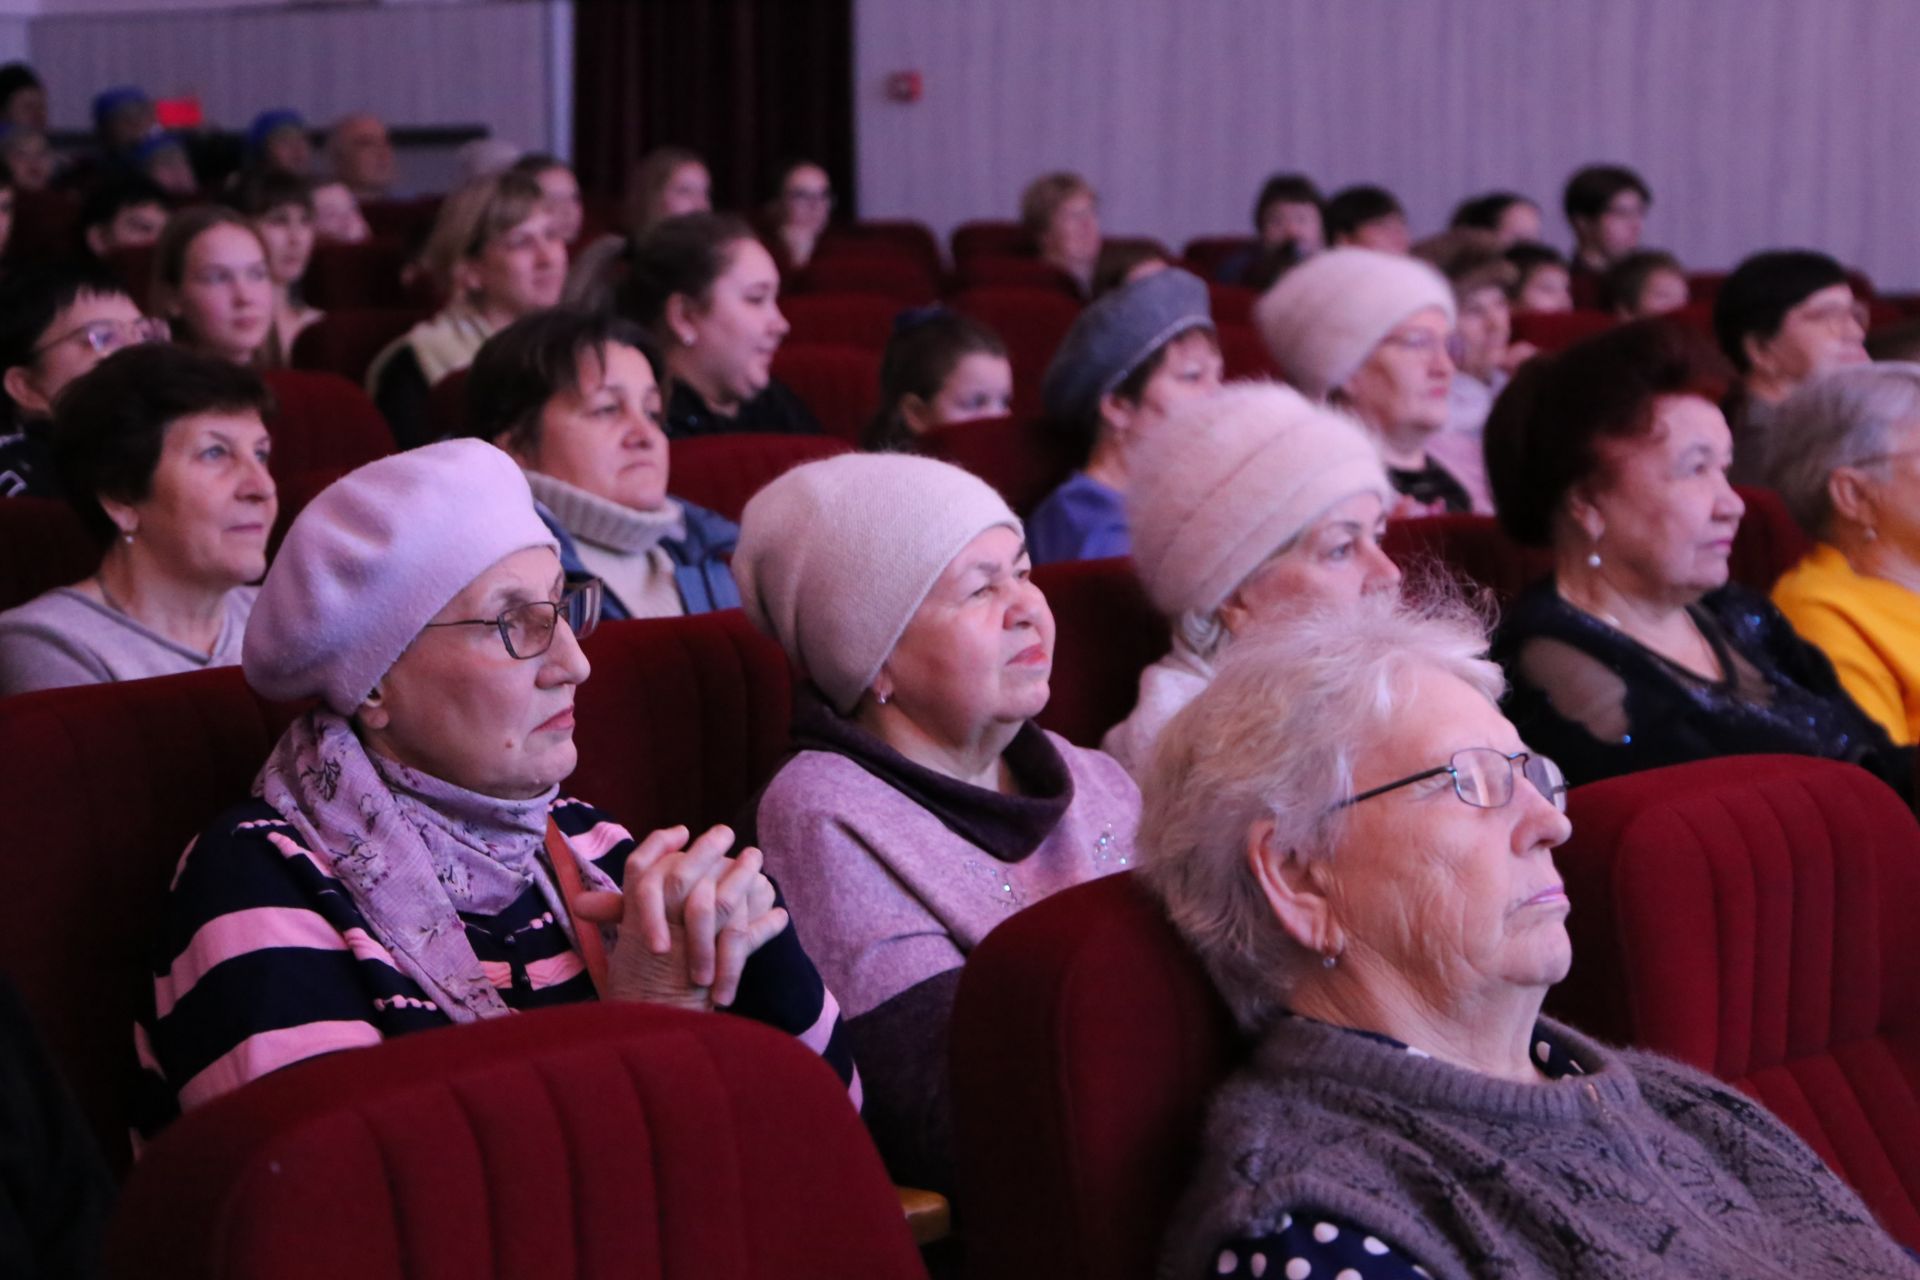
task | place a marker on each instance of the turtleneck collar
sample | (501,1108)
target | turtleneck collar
(605,523)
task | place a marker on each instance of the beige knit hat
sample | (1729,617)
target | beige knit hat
(1322,319)
(835,557)
(1233,479)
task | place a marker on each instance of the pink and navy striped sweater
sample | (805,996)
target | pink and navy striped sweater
(265,960)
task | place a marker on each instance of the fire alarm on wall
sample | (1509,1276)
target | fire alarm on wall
(905,86)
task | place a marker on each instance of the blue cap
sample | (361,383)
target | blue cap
(268,123)
(111,100)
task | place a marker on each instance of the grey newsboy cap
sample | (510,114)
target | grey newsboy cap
(1115,335)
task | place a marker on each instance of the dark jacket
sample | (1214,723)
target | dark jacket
(775,409)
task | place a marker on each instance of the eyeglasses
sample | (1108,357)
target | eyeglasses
(527,629)
(1423,341)
(1483,778)
(1835,315)
(108,336)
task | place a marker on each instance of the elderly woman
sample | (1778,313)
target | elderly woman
(940,369)
(1252,508)
(1851,477)
(280,207)
(496,255)
(707,290)
(571,396)
(1127,363)
(1782,317)
(922,806)
(1368,332)
(163,454)
(211,280)
(407,860)
(1360,849)
(1637,652)
(1061,212)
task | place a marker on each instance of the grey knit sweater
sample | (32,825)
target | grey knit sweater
(1638,1168)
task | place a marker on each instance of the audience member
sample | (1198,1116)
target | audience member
(23,99)
(1781,317)
(278,140)
(1483,350)
(495,255)
(1253,508)
(1125,263)
(1647,282)
(562,191)
(1606,205)
(940,368)
(707,290)
(570,395)
(1368,217)
(388,874)
(1288,223)
(279,206)
(1852,479)
(1637,652)
(1360,849)
(212,283)
(123,116)
(336,215)
(1543,285)
(1510,217)
(1062,215)
(162,157)
(1368,332)
(362,156)
(56,323)
(923,806)
(163,453)
(28,157)
(797,214)
(126,213)
(1127,363)
(668,182)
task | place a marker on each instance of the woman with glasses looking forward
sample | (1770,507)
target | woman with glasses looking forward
(798,213)
(1359,846)
(408,860)
(1638,652)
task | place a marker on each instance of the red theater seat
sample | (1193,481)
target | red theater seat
(321,420)
(447,406)
(346,340)
(721,472)
(1231,304)
(840,384)
(597,1141)
(1244,354)
(43,545)
(405,221)
(1031,322)
(1007,239)
(357,275)
(900,235)
(997,271)
(898,278)
(1205,254)
(1107,633)
(1086,1043)
(1022,458)
(1754,916)
(841,319)
(1553,331)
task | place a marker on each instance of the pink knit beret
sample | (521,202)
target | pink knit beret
(836,556)
(373,558)
(1232,479)
(1322,319)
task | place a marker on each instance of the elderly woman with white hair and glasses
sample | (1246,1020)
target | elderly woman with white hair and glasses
(407,859)
(1852,479)
(1360,848)
(922,806)
(1253,508)
(1369,332)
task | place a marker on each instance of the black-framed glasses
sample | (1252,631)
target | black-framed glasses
(1483,777)
(527,629)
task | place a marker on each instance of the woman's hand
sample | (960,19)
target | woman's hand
(688,919)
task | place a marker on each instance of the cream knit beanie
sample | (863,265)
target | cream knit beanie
(835,557)
(1231,480)
(1322,319)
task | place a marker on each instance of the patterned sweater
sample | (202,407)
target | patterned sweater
(265,960)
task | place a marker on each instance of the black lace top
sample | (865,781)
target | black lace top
(1602,704)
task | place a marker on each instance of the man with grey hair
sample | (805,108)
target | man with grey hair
(362,156)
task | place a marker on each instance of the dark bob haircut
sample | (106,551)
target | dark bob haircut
(684,255)
(1286,188)
(1592,189)
(534,359)
(110,423)
(1483,213)
(1755,299)
(1354,207)
(1544,435)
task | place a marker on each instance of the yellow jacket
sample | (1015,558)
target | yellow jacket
(1868,627)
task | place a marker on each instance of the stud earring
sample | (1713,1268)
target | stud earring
(1593,559)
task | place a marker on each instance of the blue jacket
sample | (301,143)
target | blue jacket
(700,562)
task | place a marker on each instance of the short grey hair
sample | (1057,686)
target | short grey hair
(1836,419)
(1276,736)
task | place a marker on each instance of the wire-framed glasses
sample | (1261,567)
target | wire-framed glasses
(527,629)
(1483,777)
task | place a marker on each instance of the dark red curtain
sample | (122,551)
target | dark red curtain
(746,83)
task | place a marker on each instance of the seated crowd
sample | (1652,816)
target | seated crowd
(1344,787)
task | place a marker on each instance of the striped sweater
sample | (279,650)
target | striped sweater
(265,960)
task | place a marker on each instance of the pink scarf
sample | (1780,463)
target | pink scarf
(413,851)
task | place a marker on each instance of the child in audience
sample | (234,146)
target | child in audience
(1542,285)
(1509,217)
(1647,282)
(212,282)
(125,213)
(280,207)
(1290,223)
(1368,217)
(940,368)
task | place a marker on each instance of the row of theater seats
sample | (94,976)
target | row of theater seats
(1748,916)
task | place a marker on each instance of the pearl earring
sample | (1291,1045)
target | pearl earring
(1328,961)
(881,699)
(1593,559)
